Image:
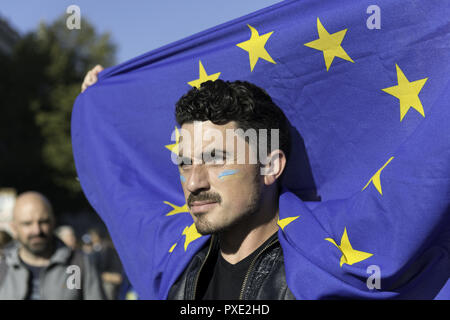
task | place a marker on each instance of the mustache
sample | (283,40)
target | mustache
(206,196)
(38,236)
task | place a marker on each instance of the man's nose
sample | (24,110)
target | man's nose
(36,229)
(198,179)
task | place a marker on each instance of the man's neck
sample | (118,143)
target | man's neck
(244,239)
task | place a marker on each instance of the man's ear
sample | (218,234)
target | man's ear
(274,167)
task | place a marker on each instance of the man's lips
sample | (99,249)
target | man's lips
(37,239)
(202,206)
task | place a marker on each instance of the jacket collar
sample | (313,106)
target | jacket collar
(61,254)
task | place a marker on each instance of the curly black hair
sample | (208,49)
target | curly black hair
(243,102)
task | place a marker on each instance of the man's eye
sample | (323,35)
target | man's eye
(185,164)
(215,158)
(182,161)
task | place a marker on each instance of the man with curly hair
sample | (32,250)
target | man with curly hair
(229,196)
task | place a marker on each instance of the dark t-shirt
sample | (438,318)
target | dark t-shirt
(34,284)
(227,279)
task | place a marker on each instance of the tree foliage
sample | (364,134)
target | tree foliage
(39,83)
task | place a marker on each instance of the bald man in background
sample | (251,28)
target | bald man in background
(39,266)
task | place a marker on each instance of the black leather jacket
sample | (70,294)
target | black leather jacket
(265,279)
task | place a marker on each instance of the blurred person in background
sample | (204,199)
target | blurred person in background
(67,235)
(108,263)
(86,245)
(5,239)
(39,266)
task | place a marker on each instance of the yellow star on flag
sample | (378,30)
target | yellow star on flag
(172,248)
(330,44)
(174,147)
(255,47)
(349,255)
(284,222)
(191,234)
(376,178)
(407,92)
(203,76)
(176,209)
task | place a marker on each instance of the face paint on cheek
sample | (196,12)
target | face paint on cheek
(182,178)
(227,174)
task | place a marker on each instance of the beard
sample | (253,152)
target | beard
(37,247)
(206,226)
(214,222)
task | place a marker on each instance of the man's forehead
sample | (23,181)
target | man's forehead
(205,134)
(37,215)
(205,126)
(28,208)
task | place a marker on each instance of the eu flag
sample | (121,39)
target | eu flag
(365,212)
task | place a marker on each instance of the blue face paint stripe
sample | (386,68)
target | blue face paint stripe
(182,178)
(227,173)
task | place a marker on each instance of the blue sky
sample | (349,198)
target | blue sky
(136,26)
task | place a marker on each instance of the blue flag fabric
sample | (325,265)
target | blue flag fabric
(366,89)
